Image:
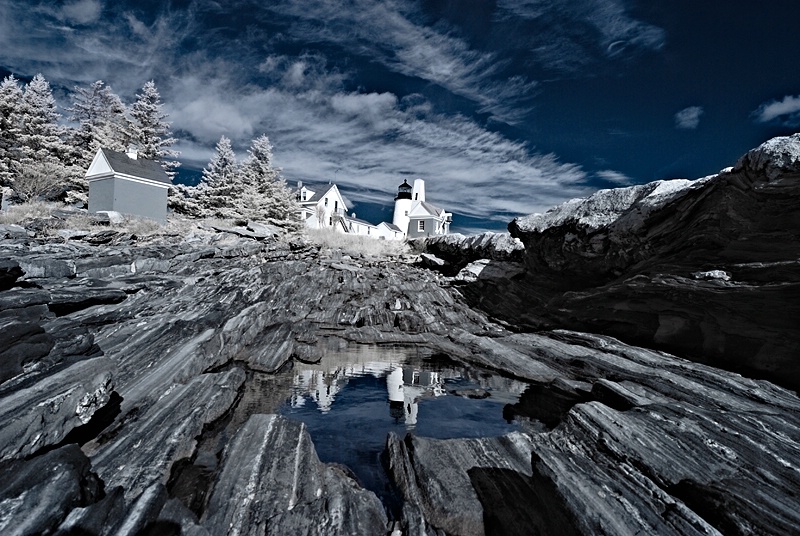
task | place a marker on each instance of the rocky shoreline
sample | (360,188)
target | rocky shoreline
(121,353)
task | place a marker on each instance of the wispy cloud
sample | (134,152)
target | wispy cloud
(587,31)
(688,118)
(614,177)
(787,110)
(390,33)
(322,125)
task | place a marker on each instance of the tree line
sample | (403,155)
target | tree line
(41,157)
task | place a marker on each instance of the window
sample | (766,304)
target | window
(421,225)
(326,201)
(416,197)
(330,220)
(335,205)
(406,213)
(303,195)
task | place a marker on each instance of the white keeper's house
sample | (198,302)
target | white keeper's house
(414,217)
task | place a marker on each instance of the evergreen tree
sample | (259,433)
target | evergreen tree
(101,119)
(150,132)
(220,191)
(41,135)
(265,194)
(41,147)
(10,122)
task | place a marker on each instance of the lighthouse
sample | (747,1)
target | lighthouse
(402,206)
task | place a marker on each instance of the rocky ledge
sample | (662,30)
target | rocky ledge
(125,361)
(706,269)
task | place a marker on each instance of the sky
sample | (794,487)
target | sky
(504,107)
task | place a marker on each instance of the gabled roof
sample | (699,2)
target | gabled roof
(391,226)
(320,191)
(423,208)
(360,221)
(141,167)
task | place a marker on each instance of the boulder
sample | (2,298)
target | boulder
(696,268)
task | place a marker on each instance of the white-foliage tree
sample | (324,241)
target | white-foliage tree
(40,134)
(40,140)
(219,193)
(101,119)
(10,122)
(150,132)
(265,194)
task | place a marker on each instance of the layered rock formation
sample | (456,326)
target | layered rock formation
(708,269)
(140,376)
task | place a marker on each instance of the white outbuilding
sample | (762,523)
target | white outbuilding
(126,184)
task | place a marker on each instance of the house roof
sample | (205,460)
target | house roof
(359,220)
(391,226)
(140,167)
(320,191)
(423,208)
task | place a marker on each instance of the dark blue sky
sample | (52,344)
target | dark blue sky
(505,107)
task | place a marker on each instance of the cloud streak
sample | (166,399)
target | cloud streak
(277,69)
(787,110)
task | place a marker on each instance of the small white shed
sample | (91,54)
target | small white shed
(124,183)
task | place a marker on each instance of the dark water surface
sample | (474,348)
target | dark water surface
(357,394)
(350,401)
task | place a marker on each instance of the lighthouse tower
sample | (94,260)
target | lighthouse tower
(418,193)
(402,206)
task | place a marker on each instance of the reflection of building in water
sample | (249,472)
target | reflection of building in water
(406,386)
(321,386)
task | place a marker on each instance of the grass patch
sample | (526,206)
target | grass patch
(25,212)
(357,245)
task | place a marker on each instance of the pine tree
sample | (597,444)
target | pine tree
(41,135)
(151,133)
(10,122)
(220,191)
(41,147)
(266,195)
(100,114)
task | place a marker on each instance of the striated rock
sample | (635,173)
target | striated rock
(41,414)
(23,342)
(37,494)
(696,268)
(102,517)
(271,481)
(460,250)
(434,479)
(165,433)
(612,438)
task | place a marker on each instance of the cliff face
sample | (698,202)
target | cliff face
(708,269)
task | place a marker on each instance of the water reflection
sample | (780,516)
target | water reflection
(408,375)
(405,386)
(357,394)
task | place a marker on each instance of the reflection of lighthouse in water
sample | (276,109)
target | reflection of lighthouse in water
(406,386)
